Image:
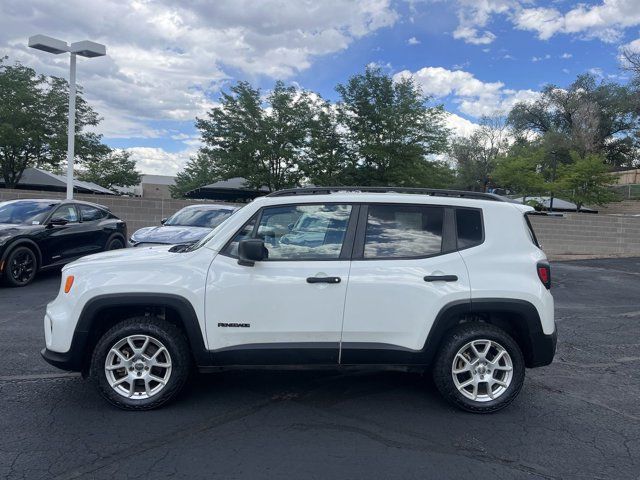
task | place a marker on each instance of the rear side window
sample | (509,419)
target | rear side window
(469,227)
(403,231)
(88,213)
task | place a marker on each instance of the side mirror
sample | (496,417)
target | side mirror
(251,251)
(163,221)
(57,221)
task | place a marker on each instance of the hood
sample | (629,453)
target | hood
(170,235)
(127,256)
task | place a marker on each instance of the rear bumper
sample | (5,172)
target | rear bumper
(543,349)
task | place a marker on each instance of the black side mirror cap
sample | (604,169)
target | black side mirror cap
(163,221)
(250,251)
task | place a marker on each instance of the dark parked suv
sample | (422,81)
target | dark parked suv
(38,234)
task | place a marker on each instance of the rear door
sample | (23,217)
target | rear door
(287,309)
(405,269)
(94,236)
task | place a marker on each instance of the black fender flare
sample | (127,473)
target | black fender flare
(520,316)
(18,242)
(76,358)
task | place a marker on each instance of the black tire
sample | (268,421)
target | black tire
(20,267)
(456,340)
(173,340)
(114,243)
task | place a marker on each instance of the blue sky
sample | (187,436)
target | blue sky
(168,61)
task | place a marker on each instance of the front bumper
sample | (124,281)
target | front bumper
(71,360)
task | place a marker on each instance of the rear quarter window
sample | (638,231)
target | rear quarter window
(469,227)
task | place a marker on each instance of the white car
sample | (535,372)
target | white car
(447,280)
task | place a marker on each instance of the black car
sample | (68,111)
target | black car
(39,234)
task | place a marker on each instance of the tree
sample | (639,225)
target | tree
(327,162)
(389,130)
(33,121)
(476,155)
(262,143)
(589,117)
(586,181)
(200,170)
(109,169)
(520,171)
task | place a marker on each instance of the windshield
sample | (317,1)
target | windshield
(26,211)
(198,217)
(213,232)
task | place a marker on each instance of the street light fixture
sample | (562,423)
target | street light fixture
(84,49)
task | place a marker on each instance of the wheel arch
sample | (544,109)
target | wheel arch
(104,311)
(117,235)
(519,318)
(22,242)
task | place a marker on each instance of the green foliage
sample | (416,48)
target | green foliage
(520,171)
(476,156)
(109,169)
(587,117)
(586,181)
(390,132)
(262,143)
(33,122)
(200,170)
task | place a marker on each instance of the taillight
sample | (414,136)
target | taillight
(544,274)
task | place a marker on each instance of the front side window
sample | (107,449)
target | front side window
(403,231)
(66,212)
(298,232)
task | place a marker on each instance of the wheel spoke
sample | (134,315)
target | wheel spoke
(132,387)
(157,379)
(468,382)
(121,381)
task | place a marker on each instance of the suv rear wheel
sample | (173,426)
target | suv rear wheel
(141,363)
(479,368)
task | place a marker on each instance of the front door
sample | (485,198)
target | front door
(405,268)
(287,309)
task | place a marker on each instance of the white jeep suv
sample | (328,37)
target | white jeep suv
(409,278)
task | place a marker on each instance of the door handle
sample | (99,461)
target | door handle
(441,278)
(323,280)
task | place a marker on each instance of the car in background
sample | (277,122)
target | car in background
(184,227)
(38,234)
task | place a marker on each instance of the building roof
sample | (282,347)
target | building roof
(231,189)
(38,179)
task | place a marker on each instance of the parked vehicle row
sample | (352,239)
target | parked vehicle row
(38,234)
(451,281)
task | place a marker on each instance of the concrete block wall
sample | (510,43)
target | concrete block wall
(572,234)
(137,212)
(625,207)
(588,234)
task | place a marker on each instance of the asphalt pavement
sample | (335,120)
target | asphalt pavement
(575,419)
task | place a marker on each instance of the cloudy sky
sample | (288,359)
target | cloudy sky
(167,61)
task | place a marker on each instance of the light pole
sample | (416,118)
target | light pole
(84,49)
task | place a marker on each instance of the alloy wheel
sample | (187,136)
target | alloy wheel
(138,366)
(482,370)
(22,267)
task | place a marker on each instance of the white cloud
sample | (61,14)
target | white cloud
(566,56)
(413,41)
(157,161)
(460,126)
(541,58)
(474,97)
(166,59)
(473,17)
(604,21)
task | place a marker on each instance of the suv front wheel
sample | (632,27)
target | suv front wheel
(141,363)
(479,368)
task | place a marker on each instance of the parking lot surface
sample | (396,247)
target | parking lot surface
(577,418)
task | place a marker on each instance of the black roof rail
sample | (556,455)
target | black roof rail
(435,192)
